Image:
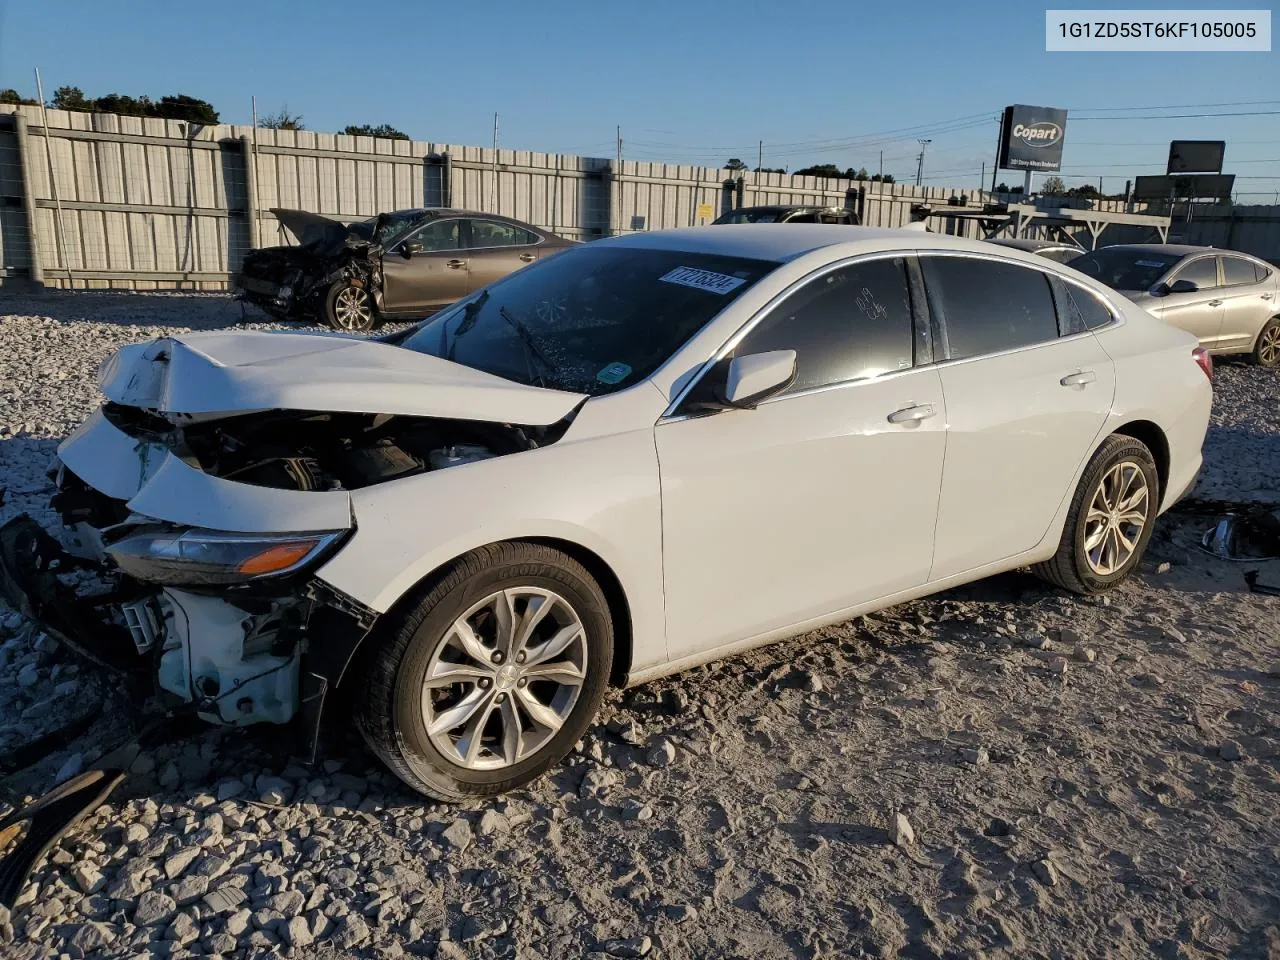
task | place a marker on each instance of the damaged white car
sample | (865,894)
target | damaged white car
(640,455)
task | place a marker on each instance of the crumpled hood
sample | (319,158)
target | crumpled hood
(242,372)
(312,228)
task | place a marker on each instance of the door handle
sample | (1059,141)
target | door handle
(912,414)
(455,264)
(1215,303)
(1078,379)
(528,257)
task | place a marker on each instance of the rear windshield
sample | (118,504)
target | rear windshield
(593,319)
(1124,269)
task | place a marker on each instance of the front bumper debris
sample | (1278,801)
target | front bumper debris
(27,835)
(30,560)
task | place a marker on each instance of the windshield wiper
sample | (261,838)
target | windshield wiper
(531,351)
(468,321)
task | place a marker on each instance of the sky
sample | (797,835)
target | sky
(687,82)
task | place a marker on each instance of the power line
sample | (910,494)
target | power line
(1181,106)
(1190,116)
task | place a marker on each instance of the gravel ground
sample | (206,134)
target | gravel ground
(1000,771)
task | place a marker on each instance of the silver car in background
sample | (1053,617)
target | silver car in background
(1230,300)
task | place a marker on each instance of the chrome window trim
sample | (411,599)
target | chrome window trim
(751,322)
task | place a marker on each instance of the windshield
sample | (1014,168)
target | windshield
(1125,269)
(396,225)
(749,215)
(593,319)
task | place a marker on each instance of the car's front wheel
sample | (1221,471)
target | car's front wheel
(350,308)
(1110,520)
(492,675)
(1266,352)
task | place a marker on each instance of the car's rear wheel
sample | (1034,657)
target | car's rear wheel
(1110,520)
(1266,352)
(492,675)
(350,308)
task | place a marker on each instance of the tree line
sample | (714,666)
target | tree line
(180,107)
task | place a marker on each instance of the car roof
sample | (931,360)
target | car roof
(1027,243)
(1173,249)
(787,207)
(449,211)
(781,242)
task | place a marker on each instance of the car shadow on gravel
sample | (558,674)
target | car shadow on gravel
(208,310)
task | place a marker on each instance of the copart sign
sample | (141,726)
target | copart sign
(1031,138)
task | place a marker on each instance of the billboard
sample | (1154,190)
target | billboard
(1196,156)
(1031,138)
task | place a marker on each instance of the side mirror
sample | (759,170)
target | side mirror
(758,376)
(407,250)
(1183,286)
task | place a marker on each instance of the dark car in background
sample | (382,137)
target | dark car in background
(401,265)
(1059,251)
(788,214)
(1230,300)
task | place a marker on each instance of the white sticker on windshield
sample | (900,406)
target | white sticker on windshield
(1150,263)
(703,280)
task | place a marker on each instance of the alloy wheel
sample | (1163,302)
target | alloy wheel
(352,310)
(1269,346)
(505,678)
(1117,517)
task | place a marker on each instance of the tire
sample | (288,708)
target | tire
(1074,567)
(394,707)
(1266,352)
(349,308)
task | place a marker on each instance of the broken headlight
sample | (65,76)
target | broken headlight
(195,557)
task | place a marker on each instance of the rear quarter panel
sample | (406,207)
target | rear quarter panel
(1158,380)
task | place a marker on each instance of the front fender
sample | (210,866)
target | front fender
(600,493)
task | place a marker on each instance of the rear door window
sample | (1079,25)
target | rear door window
(1238,270)
(988,306)
(494,233)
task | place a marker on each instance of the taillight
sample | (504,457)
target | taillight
(1203,358)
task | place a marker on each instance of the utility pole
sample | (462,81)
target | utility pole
(882,166)
(982,177)
(920,162)
(995,167)
(759,157)
(617,172)
(64,256)
(493,187)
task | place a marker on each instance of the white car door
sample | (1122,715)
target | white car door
(819,498)
(1024,405)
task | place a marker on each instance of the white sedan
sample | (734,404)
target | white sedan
(639,455)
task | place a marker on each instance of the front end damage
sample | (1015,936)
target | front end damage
(202,530)
(291,282)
